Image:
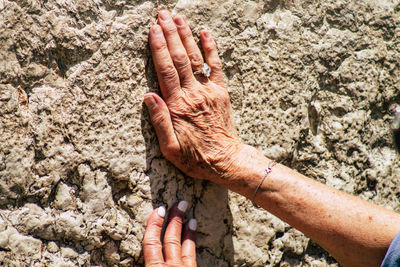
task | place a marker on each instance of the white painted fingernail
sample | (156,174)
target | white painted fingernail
(183,205)
(193,224)
(161,211)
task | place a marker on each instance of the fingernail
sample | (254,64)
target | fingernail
(207,35)
(179,21)
(150,101)
(164,15)
(157,29)
(192,224)
(161,211)
(183,205)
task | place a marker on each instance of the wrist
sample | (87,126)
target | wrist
(243,170)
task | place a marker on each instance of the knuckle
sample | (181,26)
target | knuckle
(200,102)
(156,264)
(172,241)
(177,220)
(187,258)
(210,45)
(180,58)
(152,242)
(223,98)
(185,33)
(158,45)
(168,72)
(170,29)
(170,151)
(197,60)
(184,76)
(216,64)
(173,149)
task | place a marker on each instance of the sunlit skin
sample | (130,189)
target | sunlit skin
(174,249)
(193,120)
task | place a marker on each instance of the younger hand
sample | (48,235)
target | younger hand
(172,252)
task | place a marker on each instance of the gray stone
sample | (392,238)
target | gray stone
(67,252)
(52,247)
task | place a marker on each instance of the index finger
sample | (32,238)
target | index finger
(152,247)
(168,77)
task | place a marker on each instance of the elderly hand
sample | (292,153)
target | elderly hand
(193,121)
(173,253)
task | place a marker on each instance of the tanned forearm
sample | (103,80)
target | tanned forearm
(354,231)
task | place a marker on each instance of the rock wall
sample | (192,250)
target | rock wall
(312,85)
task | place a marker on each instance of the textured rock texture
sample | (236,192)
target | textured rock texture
(312,84)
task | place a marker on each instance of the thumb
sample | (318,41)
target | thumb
(161,120)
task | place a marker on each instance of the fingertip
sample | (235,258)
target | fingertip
(150,101)
(156,215)
(209,45)
(156,29)
(158,44)
(189,233)
(177,213)
(161,211)
(190,230)
(152,247)
(157,98)
(205,34)
(173,232)
(153,100)
(164,14)
(192,225)
(189,243)
(183,205)
(212,57)
(180,20)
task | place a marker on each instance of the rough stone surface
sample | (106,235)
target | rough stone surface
(312,85)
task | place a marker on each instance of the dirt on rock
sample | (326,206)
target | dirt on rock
(313,85)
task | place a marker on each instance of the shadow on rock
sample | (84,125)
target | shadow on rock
(208,202)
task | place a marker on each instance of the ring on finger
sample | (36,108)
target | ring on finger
(205,70)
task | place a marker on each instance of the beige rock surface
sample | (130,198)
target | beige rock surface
(311,83)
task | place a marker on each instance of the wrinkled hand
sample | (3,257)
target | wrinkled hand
(174,252)
(193,121)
